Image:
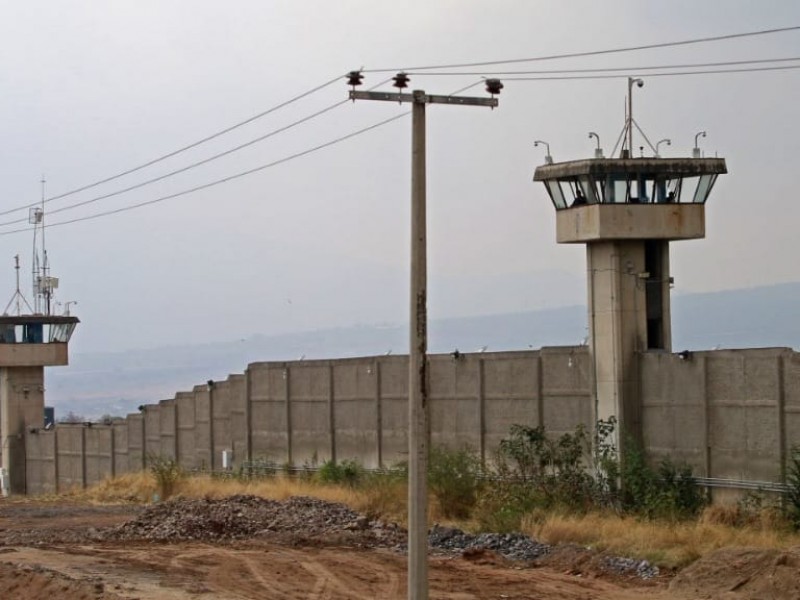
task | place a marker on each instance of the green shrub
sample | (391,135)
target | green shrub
(454,479)
(167,473)
(793,483)
(552,471)
(667,492)
(345,472)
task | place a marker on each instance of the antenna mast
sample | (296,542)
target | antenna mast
(18,299)
(43,283)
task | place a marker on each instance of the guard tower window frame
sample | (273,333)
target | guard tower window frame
(556,194)
(704,187)
(629,181)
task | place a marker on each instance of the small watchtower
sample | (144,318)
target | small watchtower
(31,338)
(627,210)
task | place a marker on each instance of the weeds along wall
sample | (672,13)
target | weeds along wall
(731,414)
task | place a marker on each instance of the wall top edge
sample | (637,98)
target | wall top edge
(766,351)
(356,360)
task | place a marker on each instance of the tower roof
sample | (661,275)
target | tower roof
(604,167)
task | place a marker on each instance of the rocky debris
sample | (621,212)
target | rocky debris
(630,566)
(244,517)
(514,546)
(303,521)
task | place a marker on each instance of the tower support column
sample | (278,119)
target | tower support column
(628,299)
(21,407)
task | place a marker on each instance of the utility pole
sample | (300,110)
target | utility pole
(418,431)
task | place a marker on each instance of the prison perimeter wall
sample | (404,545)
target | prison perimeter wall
(731,414)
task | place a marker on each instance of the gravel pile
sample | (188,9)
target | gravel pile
(514,546)
(241,517)
(303,520)
(630,566)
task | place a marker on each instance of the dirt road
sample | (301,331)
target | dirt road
(56,551)
(244,547)
(191,571)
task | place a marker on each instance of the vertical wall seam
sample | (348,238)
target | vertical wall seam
(781,403)
(378,413)
(83,457)
(481,390)
(539,391)
(331,414)
(248,415)
(288,401)
(55,456)
(707,418)
(113,451)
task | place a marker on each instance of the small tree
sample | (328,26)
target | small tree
(71,417)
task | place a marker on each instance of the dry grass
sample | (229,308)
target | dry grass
(663,543)
(131,487)
(384,498)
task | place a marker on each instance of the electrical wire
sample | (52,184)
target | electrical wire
(186,168)
(182,149)
(608,69)
(195,164)
(706,72)
(488,63)
(241,174)
(219,181)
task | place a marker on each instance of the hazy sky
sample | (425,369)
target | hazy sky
(90,89)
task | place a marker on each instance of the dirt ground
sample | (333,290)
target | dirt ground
(51,551)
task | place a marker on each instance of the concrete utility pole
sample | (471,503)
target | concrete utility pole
(418,432)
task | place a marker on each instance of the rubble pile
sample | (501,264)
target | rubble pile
(243,516)
(305,520)
(514,546)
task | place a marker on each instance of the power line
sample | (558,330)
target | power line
(241,174)
(224,179)
(197,163)
(591,52)
(186,168)
(182,149)
(707,72)
(609,69)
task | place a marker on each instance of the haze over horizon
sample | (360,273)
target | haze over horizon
(94,89)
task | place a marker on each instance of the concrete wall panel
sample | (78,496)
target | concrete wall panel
(221,420)
(268,414)
(40,462)
(136,443)
(355,411)
(202,427)
(674,408)
(121,458)
(310,413)
(152,432)
(70,453)
(167,423)
(99,453)
(186,430)
(239,425)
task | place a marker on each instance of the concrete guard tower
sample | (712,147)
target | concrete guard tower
(28,344)
(627,210)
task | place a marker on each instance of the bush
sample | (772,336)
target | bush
(793,483)
(454,479)
(552,471)
(167,473)
(345,472)
(668,492)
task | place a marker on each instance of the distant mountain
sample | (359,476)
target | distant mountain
(116,383)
